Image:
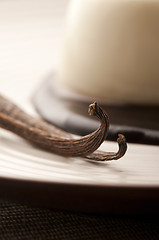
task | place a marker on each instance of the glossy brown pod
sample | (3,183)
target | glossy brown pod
(56,140)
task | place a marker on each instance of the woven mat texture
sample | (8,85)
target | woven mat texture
(19,221)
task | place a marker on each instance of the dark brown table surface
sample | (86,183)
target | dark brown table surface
(22,221)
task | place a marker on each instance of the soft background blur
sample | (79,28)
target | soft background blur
(30,40)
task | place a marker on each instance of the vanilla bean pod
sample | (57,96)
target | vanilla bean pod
(48,136)
(14,119)
(108,156)
(9,108)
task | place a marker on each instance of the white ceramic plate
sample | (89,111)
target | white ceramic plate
(26,172)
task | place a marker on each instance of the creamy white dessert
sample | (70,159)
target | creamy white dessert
(111,50)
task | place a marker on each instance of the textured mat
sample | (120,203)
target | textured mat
(19,221)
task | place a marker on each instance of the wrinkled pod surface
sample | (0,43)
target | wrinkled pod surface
(14,119)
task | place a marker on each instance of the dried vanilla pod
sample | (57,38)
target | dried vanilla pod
(108,156)
(14,119)
(49,137)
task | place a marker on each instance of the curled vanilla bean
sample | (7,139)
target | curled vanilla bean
(56,140)
(108,156)
(14,119)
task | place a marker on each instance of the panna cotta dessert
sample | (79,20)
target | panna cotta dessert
(111,50)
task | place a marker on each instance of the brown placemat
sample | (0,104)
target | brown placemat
(21,221)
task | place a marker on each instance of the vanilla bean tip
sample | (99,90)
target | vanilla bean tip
(92,109)
(121,138)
